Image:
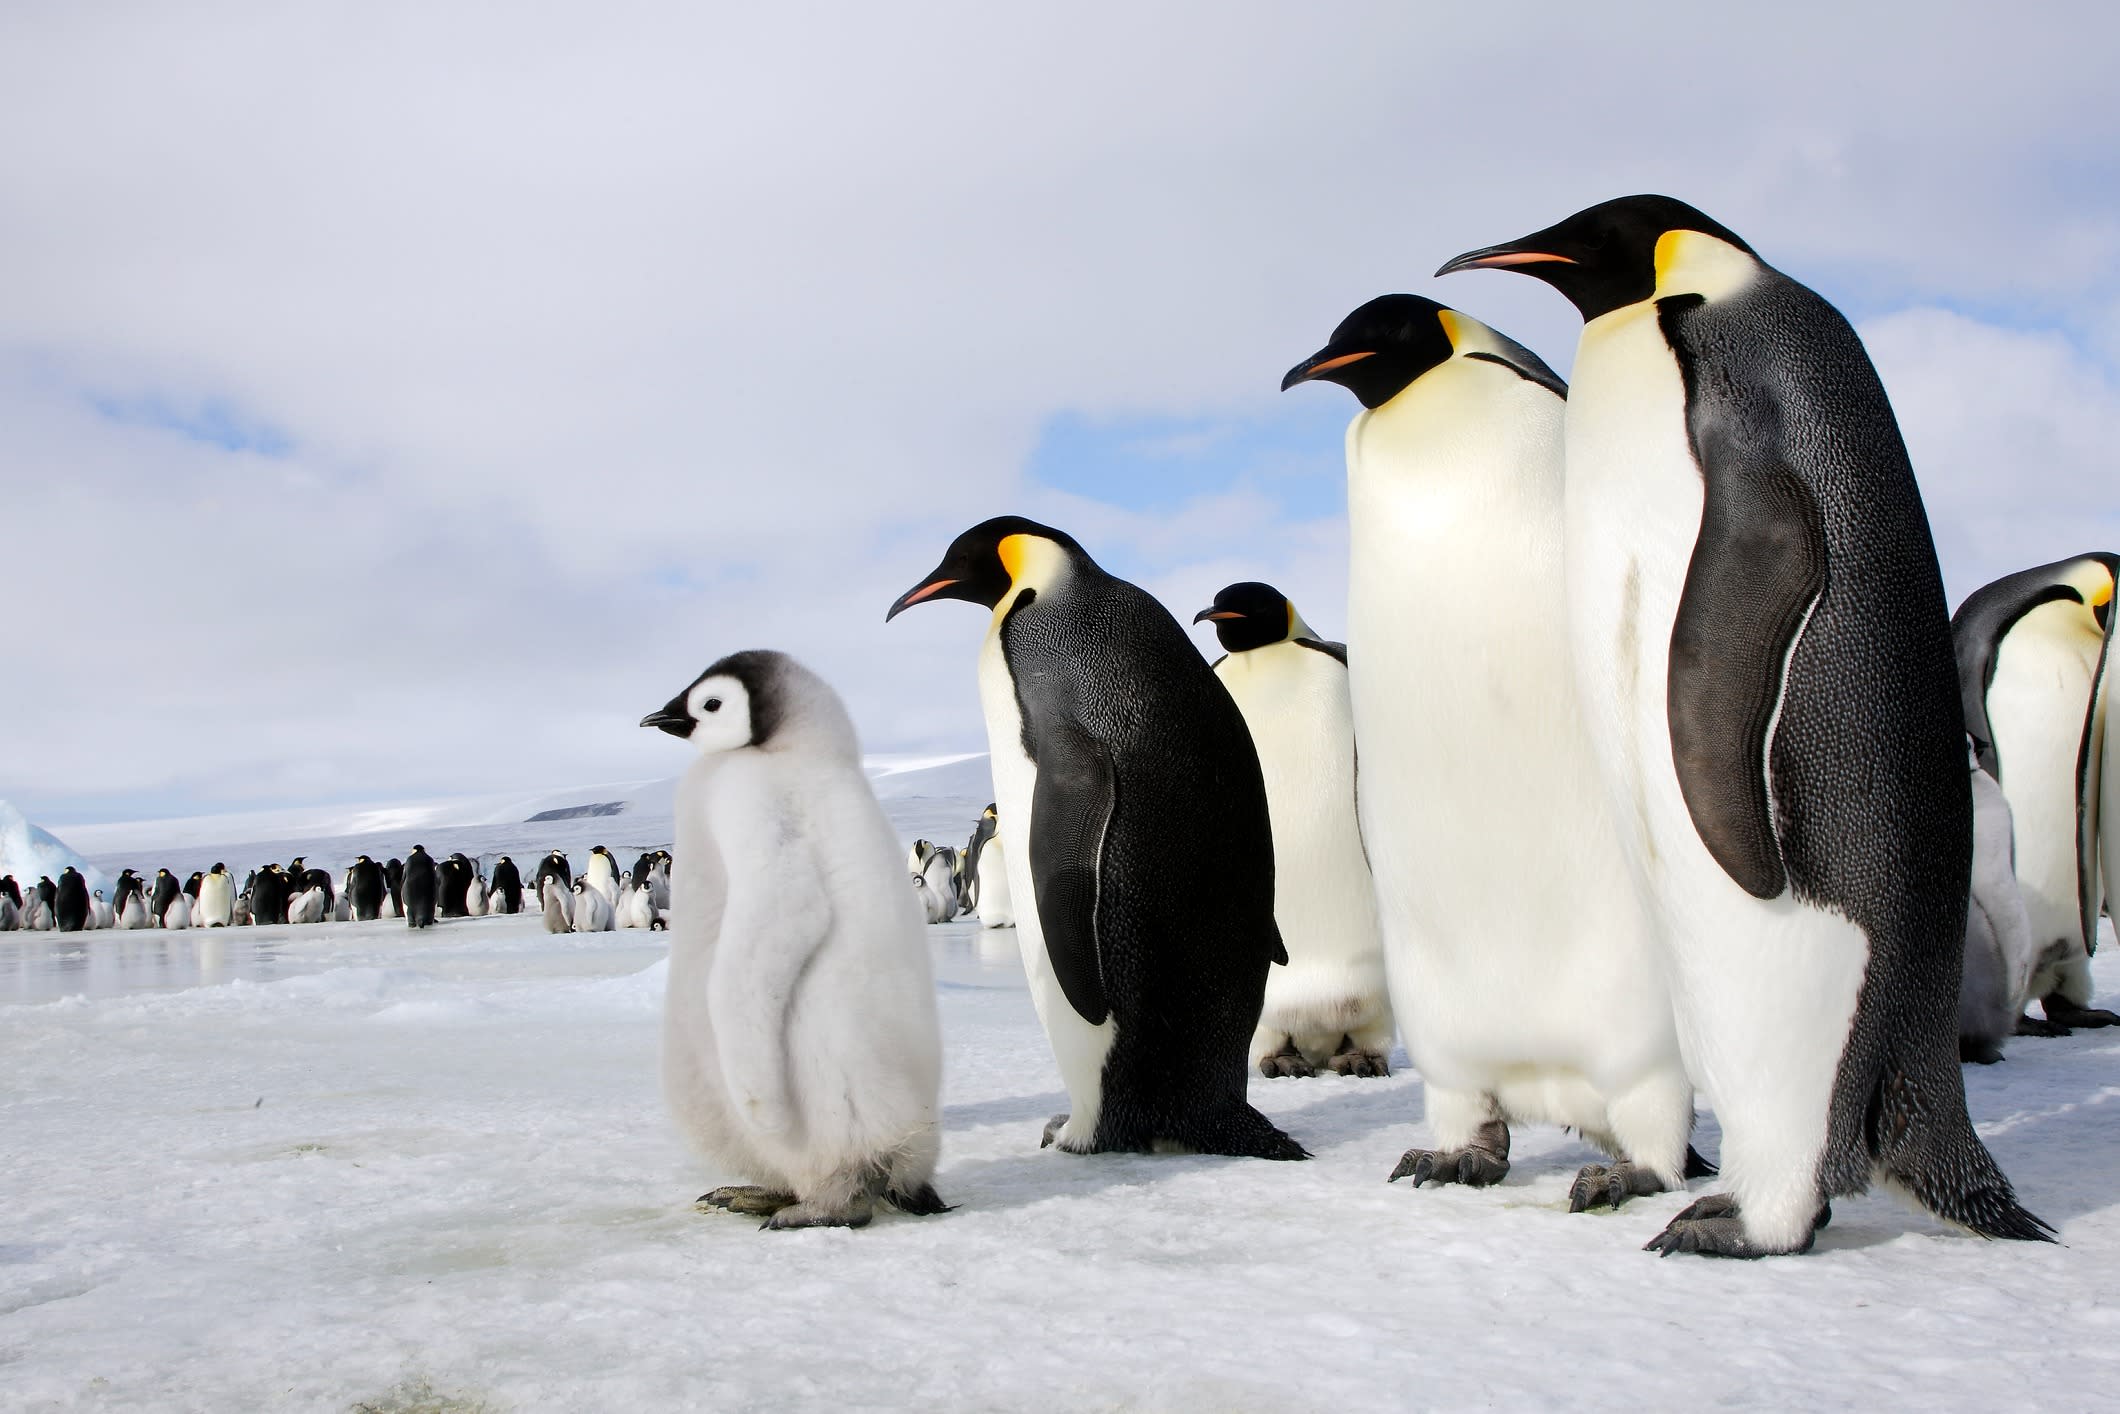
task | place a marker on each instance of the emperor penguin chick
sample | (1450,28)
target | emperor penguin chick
(1999,955)
(1521,957)
(801,1048)
(1329,1008)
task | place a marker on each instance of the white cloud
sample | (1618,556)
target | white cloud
(564,309)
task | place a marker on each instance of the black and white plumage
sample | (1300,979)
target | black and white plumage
(1996,980)
(2034,649)
(1329,1008)
(506,892)
(166,891)
(558,905)
(70,901)
(421,888)
(367,888)
(801,1046)
(1145,910)
(216,899)
(1759,620)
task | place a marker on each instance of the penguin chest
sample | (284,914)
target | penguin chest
(2038,705)
(1078,1046)
(1632,513)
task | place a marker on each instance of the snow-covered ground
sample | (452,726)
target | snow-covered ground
(345,1166)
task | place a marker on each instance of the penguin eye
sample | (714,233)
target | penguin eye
(712,704)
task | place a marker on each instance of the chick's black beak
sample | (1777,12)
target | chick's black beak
(1320,363)
(670,717)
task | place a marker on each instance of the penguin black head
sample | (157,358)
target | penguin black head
(738,701)
(1604,257)
(1250,615)
(985,562)
(1379,349)
(218,868)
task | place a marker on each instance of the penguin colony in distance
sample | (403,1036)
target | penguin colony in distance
(1328,1008)
(800,1042)
(1111,739)
(2034,654)
(1758,619)
(1523,996)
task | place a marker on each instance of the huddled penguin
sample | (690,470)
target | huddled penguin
(37,911)
(269,895)
(453,885)
(166,892)
(592,911)
(1522,963)
(217,898)
(602,874)
(421,885)
(2031,649)
(938,877)
(475,894)
(10,914)
(1330,1008)
(1759,620)
(1147,928)
(800,1041)
(636,908)
(659,882)
(191,888)
(394,876)
(308,906)
(178,914)
(2000,958)
(342,903)
(12,891)
(506,893)
(558,905)
(554,866)
(100,914)
(367,889)
(70,901)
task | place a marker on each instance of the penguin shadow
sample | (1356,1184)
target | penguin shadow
(1005,1109)
(1034,1175)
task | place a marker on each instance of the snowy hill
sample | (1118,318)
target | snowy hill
(937,797)
(29,853)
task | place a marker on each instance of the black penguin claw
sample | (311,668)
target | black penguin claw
(1713,1227)
(1471,1166)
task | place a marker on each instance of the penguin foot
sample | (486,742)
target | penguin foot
(1288,1061)
(922,1202)
(854,1213)
(2029,1025)
(1608,1186)
(1482,1162)
(746,1198)
(1713,1227)
(1978,1050)
(1351,1059)
(2063,1012)
(1053,1135)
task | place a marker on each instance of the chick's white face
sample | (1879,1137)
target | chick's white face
(720,709)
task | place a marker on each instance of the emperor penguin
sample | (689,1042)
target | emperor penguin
(452,883)
(217,898)
(1758,622)
(2031,649)
(70,901)
(801,1048)
(394,876)
(934,905)
(10,914)
(602,874)
(592,911)
(968,871)
(166,891)
(475,895)
(506,893)
(559,906)
(1119,760)
(940,876)
(659,882)
(368,888)
(1330,1007)
(308,906)
(554,866)
(133,914)
(421,886)
(1525,992)
(2000,958)
(178,914)
(100,914)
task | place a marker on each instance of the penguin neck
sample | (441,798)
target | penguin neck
(1469,431)
(1694,263)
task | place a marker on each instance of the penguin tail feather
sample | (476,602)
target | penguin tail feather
(1697,1166)
(1926,1146)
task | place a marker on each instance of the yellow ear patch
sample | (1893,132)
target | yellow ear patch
(1449,320)
(2103,594)
(1013,550)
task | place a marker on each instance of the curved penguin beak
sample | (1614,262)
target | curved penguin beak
(1213,615)
(671,718)
(1502,257)
(927,590)
(1321,362)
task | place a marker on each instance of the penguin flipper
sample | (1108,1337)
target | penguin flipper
(1758,568)
(1071,806)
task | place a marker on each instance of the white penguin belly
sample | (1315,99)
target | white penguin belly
(1764,991)
(2037,704)
(1079,1048)
(1519,960)
(1296,703)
